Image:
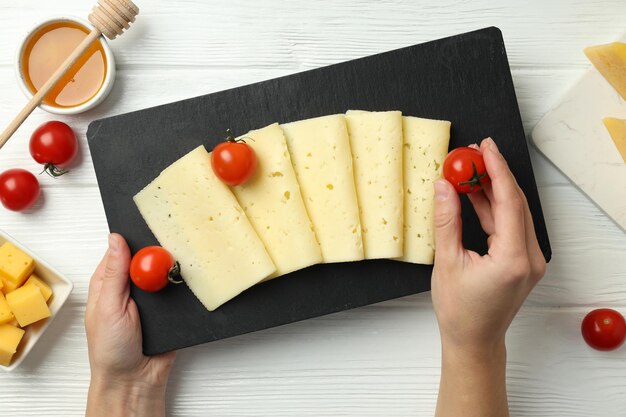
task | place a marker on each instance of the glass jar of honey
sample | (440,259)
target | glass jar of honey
(45,48)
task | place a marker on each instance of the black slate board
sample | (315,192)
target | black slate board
(465,79)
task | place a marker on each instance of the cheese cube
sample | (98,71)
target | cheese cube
(376,142)
(15,266)
(8,286)
(46,291)
(273,203)
(197,218)
(6,315)
(610,60)
(10,338)
(28,305)
(14,323)
(617,130)
(1,284)
(320,153)
(425,147)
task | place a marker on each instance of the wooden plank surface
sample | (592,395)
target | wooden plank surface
(374,361)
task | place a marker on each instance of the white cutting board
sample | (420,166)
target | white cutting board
(574,138)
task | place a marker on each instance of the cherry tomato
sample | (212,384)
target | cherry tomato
(604,329)
(465,169)
(233,161)
(152,268)
(54,145)
(19,189)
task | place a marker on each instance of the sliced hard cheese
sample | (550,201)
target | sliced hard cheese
(196,217)
(376,143)
(610,60)
(425,147)
(617,130)
(273,203)
(320,153)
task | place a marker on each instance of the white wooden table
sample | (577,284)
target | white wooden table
(381,360)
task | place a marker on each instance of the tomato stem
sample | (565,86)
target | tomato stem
(53,170)
(231,138)
(173,275)
(475,179)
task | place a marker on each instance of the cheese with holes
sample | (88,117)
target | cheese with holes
(10,338)
(610,60)
(28,305)
(15,267)
(425,147)
(320,153)
(198,219)
(617,130)
(6,316)
(273,203)
(376,143)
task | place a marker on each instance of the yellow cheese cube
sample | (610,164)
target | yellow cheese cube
(5,312)
(46,291)
(10,338)
(610,60)
(8,286)
(617,129)
(15,265)
(28,305)
(14,323)
(1,284)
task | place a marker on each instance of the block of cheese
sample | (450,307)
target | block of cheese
(46,291)
(320,153)
(10,338)
(28,305)
(198,219)
(15,266)
(425,147)
(376,143)
(273,203)
(610,60)
(617,130)
(6,316)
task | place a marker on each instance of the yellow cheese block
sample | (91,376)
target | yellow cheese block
(10,338)
(5,312)
(15,265)
(1,284)
(617,130)
(46,291)
(8,286)
(28,305)
(610,60)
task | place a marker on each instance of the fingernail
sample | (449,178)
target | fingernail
(442,191)
(474,146)
(113,244)
(492,145)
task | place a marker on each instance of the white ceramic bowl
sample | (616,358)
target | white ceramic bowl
(61,288)
(105,89)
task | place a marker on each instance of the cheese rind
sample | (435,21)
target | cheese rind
(425,148)
(617,130)
(197,218)
(320,153)
(273,203)
(610,60)
(376,143)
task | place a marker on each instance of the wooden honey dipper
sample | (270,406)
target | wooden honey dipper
(110,18)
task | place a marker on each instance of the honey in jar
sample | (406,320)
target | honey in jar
(44,53)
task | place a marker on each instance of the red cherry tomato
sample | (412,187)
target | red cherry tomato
(152,268)
(465,169)
(19,189)
(604,329)
(234,162)
(54,145)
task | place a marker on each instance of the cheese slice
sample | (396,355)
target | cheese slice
(197,218)
(610,60)
(617,130)
(273,203)
(425,147)
(376,143)
(320,153)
